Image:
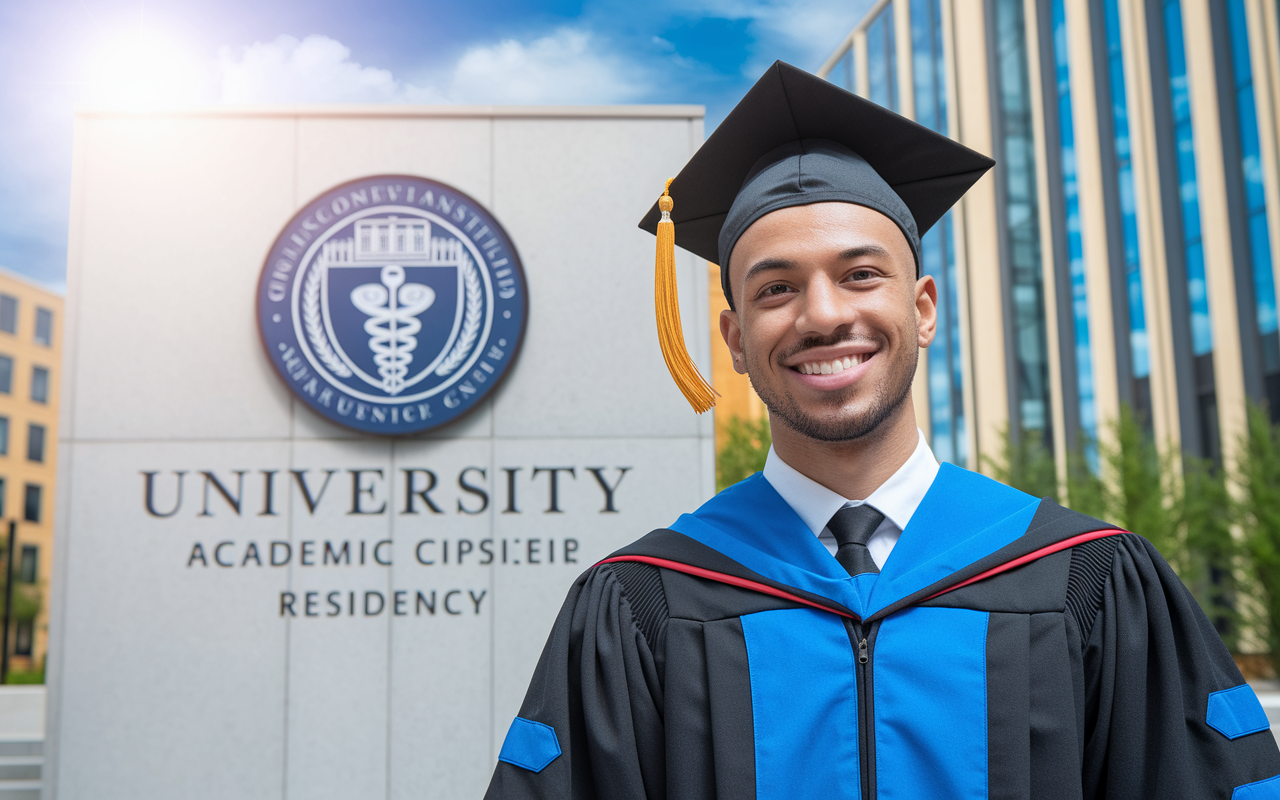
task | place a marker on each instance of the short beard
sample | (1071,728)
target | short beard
(889,397)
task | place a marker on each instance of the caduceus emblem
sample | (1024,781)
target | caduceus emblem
(393,307)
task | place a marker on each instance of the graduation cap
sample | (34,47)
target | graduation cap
(797,139)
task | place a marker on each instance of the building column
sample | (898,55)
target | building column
(1264,54)
(1039,33)
(1220,273)
(1104,340)
(959,238)
(902,50)
(1154,256)
(979,247)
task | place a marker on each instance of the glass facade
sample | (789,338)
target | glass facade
(1254,203)
(842,73)
(928,64)
(1192,242)
(882,66)
(1075,242)
(1021,221)
(937,246)
(1139,352)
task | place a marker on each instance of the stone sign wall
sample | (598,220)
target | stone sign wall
(253,601)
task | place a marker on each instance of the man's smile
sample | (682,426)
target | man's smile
(831,367)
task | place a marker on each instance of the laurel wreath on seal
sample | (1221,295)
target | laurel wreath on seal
(470,321)
(314,324)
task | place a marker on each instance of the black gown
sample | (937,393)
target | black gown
(1009,648)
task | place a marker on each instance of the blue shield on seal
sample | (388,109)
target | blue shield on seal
(392,304)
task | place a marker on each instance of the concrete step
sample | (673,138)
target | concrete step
(20,768)
(20,747)
(19,790)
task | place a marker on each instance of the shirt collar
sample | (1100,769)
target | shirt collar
(897,498)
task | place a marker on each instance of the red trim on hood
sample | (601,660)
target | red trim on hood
(732,580)
(1032,556)
(762,588)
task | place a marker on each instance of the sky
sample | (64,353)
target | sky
(60,55)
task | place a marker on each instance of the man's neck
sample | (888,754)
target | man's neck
(854,468)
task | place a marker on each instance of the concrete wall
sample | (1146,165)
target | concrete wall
(169,678)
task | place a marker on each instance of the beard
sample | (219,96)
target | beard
(837,424)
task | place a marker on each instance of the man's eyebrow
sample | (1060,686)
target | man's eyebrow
(865,250)
(768,265)
(773,264)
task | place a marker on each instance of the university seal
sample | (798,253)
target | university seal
(392,304)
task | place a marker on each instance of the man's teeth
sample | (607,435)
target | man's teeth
(831,367)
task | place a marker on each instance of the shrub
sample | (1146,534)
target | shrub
(745,448)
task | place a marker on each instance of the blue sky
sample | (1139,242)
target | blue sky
(56,55)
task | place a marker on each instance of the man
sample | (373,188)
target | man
(857,621)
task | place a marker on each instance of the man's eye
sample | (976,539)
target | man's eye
(777,288)
(862,275)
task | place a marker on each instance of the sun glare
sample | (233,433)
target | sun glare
(142,69)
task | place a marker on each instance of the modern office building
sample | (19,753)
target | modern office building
(1121,252)
(30,355)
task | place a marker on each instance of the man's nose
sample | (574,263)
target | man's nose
(824,309)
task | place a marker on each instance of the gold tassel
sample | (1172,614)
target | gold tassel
(694,387)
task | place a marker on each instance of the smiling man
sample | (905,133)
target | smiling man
(858,621)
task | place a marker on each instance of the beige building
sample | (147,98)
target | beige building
(1122,250)
(30,355)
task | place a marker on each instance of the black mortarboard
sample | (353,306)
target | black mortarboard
(796,139)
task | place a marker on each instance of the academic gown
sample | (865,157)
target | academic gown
(1010,648)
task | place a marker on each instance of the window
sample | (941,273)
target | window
(882,66)
(27,571)
(40,384)
(22,638)
(842,73)
(44,326)
(31,503)
(1021,224)
(4,436)
(35,443)
(8,313)
(6,375)
(2,496)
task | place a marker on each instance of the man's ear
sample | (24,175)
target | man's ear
(926,311)
(732,333)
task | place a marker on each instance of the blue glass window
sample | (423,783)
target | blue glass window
(842,73)
(1075,244)
(1138,346)
(882,68)
(1188,191)
(937,246)
(1255,201)
(44,326)
(1022,221)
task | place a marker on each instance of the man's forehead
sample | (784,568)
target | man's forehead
(787,236)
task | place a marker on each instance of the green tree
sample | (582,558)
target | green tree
(1086,491)
(1143,495)
(1025,463)
(1259,515)
(745,448)
(1210,552)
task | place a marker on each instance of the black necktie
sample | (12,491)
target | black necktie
(852,526)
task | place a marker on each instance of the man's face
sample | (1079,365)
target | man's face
(829,317)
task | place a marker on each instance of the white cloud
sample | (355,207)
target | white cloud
(570,65)
(803,32)
(316,69)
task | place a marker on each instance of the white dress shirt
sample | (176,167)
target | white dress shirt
(897,498)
